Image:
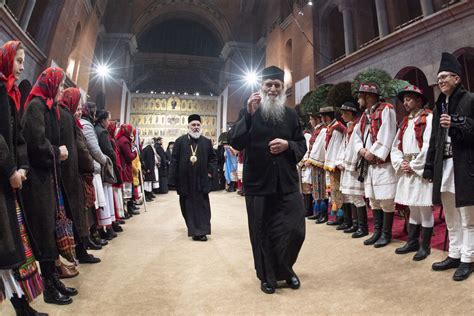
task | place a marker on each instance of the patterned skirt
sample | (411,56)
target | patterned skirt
(318,176)
(27,274)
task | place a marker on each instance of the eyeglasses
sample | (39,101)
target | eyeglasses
(269,85)
(443,78)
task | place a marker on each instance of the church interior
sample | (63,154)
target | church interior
(154,63)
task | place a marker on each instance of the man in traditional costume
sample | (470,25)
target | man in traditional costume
(449,165)
(192,163)
(333,144)
(375,136)
(408,158)
(315,160)
(272,137)
(351,188)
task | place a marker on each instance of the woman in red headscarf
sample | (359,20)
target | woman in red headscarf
(127,155)
(118,196)
(42,188)
(70,173)
(18,271)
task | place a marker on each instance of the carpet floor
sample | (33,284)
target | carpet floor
(153,268)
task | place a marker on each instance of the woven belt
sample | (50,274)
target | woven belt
(378,161)
(410,157)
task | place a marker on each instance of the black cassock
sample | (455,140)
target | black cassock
(192,181)
(274,204)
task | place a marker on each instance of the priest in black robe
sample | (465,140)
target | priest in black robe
(272,136)
(192,163)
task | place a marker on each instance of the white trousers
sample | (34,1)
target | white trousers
(357,200)
(460,223)
(422,215)
(388,206)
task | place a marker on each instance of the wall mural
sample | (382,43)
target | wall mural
(167,115)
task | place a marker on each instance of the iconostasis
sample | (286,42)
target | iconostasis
(166,116)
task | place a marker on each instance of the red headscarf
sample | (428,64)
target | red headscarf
(70,101)
(125,129)
(111,129)
(7,59)
(47,85)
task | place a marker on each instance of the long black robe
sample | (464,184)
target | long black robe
(193,182)
(274,205)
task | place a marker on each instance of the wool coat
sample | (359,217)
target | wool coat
(126,157)
(149,164)
(461,110)
(42,135)
(70,173)
(13,156)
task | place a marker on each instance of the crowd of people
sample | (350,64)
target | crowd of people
(71,176)
(69,180)
(368,161)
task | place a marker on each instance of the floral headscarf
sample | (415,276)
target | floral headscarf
(7,59)
(70,101)
(126,130)
(47,86)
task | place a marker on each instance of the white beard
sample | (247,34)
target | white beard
(195,135)
(273,109)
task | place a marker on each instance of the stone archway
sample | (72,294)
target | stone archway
(331,33)
(465,56)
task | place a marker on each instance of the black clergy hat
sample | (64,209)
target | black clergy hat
(450,63)
(273,73)
(194,117)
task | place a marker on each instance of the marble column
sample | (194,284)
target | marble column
(348,30)
(381,17)
(26,16)
(427,7)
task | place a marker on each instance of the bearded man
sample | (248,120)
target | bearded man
(272,137)
(192,163)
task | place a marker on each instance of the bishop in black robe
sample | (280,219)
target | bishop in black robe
(274,143)
(193,179)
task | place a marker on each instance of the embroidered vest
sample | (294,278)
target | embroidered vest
(376,120)
(420,126)
(336,126)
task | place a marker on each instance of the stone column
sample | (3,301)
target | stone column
(427,7)
(26,16)
(381,17)
(348,30)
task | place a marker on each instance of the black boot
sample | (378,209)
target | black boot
(82,254)
(51,294)
(92,245)
(116,227)
(309,207)
(68,291)
(386,230)
(378,222)
(323,214)
(412,243)
(362,229)
(110,234)
(148,197)
(347,217)
(355,222)
(23,308)
(131,208)
(425,249)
